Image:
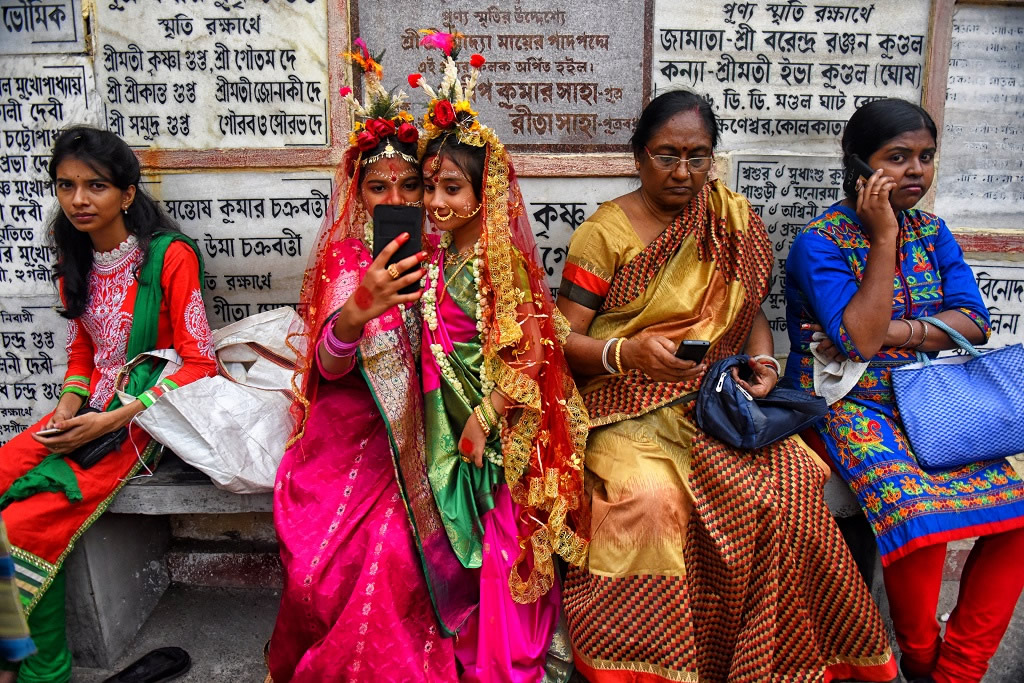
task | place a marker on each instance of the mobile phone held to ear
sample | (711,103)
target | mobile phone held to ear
(693,349)
(391,221)
(861,168)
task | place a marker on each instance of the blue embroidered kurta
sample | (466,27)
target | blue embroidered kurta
(907,507)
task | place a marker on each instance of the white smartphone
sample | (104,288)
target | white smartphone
(52,431)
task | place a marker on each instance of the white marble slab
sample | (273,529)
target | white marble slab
(981,169)
(205,75)
(787,75)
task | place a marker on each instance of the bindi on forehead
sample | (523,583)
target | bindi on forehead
(447,174)
(392,172)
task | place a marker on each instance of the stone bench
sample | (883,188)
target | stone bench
(117,574)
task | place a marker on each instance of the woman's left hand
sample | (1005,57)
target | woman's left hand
(472,442)
(79,430)
(825,346)
(763,381)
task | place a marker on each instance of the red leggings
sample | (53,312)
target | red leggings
(989,588)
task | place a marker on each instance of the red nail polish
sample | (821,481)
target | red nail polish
(403,238)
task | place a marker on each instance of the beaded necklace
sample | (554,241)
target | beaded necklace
(430,302)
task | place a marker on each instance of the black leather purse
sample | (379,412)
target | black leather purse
(88,454)
(728,413)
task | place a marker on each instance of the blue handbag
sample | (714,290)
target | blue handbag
(964,408)
(730,414)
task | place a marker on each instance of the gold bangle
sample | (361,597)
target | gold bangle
(618,355)
(479,413)
(490,411)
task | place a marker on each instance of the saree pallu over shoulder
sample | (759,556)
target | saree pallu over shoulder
(387,363)
(715,258)
(543,448)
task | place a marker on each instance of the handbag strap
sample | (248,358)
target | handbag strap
(958,338)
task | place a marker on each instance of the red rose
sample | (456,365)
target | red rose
(407,133)
(476,61)
(367,141)
(444,113)
(345,90)
(414,80)
(381,127)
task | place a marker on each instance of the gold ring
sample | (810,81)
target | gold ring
(393,272)
(465,458)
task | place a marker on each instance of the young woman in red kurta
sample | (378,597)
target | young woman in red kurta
(129,282)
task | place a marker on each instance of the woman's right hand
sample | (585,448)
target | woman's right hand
(59,415)
(68,406)
(378,290)
(656,357)
(873,206)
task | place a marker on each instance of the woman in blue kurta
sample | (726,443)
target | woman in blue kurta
(865,271)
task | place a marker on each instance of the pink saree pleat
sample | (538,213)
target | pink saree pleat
(355,605)
(505,641)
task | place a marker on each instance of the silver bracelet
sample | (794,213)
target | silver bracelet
(604,356)
(772,359)
(909,336)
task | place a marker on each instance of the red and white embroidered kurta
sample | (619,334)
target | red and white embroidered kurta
(98,340)
(40,526)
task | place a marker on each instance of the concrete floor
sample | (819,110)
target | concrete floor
(224,631)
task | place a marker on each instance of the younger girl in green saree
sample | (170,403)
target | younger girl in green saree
(505,425)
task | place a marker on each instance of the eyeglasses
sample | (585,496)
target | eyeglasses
(668,162)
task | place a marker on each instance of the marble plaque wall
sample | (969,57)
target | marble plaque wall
(41,26)
(981,168)
(560,76)
(202,75)
(788,74)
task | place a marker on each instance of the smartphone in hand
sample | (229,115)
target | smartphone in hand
(860,167)
(693,349)
(52,431)
(389,222)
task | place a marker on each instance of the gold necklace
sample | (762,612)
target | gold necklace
(457,270)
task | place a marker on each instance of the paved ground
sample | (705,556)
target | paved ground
(224,631)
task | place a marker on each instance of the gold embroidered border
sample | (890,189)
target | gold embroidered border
(641,667)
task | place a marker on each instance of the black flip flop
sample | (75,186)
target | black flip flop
(162,664)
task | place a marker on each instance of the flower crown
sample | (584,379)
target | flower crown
(449,109)
(381,114)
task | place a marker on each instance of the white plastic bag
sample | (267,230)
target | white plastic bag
(233,427)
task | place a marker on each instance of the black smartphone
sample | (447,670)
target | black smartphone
(861,168)
(693,349)
(391,221)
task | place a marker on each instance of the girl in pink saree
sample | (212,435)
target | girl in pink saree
(372,587)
